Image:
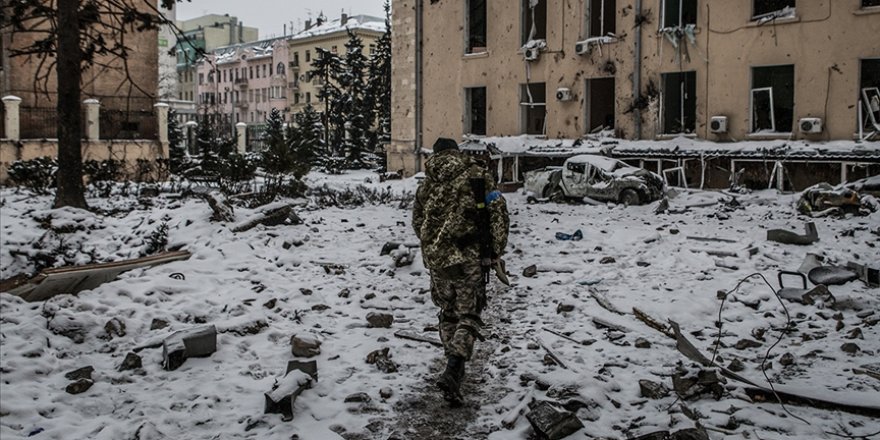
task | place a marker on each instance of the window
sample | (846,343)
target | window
(296,59)
(476,27)
(870,3)
(772,100)
(533,98)
(870,93)
(600,104)
(265,66)
(308,97)
(211,77)
(602,18)
(265,95)
(279,69)
(296,98)
(258,71)
(769,8)
(679,108)
(250,96)
(333,49)
(679,13)
(201,78)
(251,71)
(308,56)
(534,20)
(475,111)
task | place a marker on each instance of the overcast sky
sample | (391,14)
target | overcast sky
(269,16)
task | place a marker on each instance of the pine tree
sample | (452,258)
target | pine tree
(328,68)
(305,137)
(278,158)
(176,147)
(356,106)
(380,83)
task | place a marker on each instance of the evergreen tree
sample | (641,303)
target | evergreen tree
(176,147)
(327,67)
(306,140)
(380,82)
(357,109)
(278,158)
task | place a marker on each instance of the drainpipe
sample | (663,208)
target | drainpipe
(637,71)
(419,113)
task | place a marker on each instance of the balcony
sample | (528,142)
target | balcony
(241,82)
(294,85)
(242,105)
(293,65)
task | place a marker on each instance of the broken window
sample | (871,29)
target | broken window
(534,20)
(679,13)
(533,102)
(600,104)
(870,3)
(679,103)
(476,26)
(870,93)
(602,18)
(475,122)
(763,8)
(772,99)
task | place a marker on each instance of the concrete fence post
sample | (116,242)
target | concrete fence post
(12,121)
(162,116)
(93,115)
(241,132)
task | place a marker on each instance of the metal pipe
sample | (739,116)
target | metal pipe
(419,86)
(637,70)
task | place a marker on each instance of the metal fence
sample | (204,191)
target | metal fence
(38,123)
(128,124)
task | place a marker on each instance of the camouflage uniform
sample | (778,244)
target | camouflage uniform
(445,220)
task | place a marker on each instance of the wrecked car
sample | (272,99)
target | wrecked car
(595,177)
(822,199)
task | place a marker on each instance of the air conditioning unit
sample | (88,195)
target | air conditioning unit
(718,124)
(582,47)
(564,94)
(531,54)
(810,125)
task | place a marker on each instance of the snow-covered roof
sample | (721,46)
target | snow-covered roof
(526,145)
(354,22)
(258,49)
(601,162)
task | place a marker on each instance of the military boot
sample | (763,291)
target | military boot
(450,381)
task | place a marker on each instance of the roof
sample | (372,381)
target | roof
(603,162)
(354,22)
(677,148)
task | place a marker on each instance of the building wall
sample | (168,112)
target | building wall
(99,82)
(825,40)
(401,152)
(167,59)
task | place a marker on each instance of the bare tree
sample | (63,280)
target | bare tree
(66,38)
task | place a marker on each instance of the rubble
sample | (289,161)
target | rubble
(787,237)
(382,360)
(305,345)
(804,295)
(80,373)
(282,397)
(222,209)
(358,398)
(867,274)
(80,386)
(131,362)
(652,390)
(831,275)
(404,334)
(552,422)
(379,320)
(269,215)
(185,344)
(822,200)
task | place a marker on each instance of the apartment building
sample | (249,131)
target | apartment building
(330,35)
(244,82)
(203,35)
(758,70)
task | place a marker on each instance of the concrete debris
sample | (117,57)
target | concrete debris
(80,386)
(282,397)
(74,279)
(509,419)
(831,275)
(652,390)
(870,370)
(684,434)
(270,215)
(642,343)
(690,387)
(195,342)
(358,398)
(786,360)
(822,199)
(131,362)
(308,367)
(382,359)
(744,344)
(531,271)
(850,347)
(392,246)
(80,373)
(787,237)
(868,275)
(305,345)
(601,323)
(158,324)
(552,422)
(386,393)
(379,320)
(804,295)
(114,327)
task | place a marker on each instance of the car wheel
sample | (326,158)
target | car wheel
(629,197)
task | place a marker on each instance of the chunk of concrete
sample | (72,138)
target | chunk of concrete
(382,359)
(80,386)
(831,275)
(195,342)
(787,237)
(380,320)
(280,400)
(305,345)
(551,421)
(652,390)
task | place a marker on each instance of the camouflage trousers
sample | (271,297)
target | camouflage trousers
(461,295)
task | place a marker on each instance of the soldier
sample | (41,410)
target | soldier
(458,249)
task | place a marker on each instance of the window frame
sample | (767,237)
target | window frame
(752,118)
(756,17)
(469,111)
(663,22)
(683,97)
(774,101)
(588,19)
(525,18)
(468,31)
(526,105)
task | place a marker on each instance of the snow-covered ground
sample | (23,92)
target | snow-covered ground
(326,275)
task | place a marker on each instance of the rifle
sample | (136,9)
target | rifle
(478,187)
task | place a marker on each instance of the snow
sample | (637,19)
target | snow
(231,276)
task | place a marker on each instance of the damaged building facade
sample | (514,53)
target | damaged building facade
(771,72)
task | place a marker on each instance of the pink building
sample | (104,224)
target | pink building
(244,82)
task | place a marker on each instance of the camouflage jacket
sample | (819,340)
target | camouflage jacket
(445,212)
